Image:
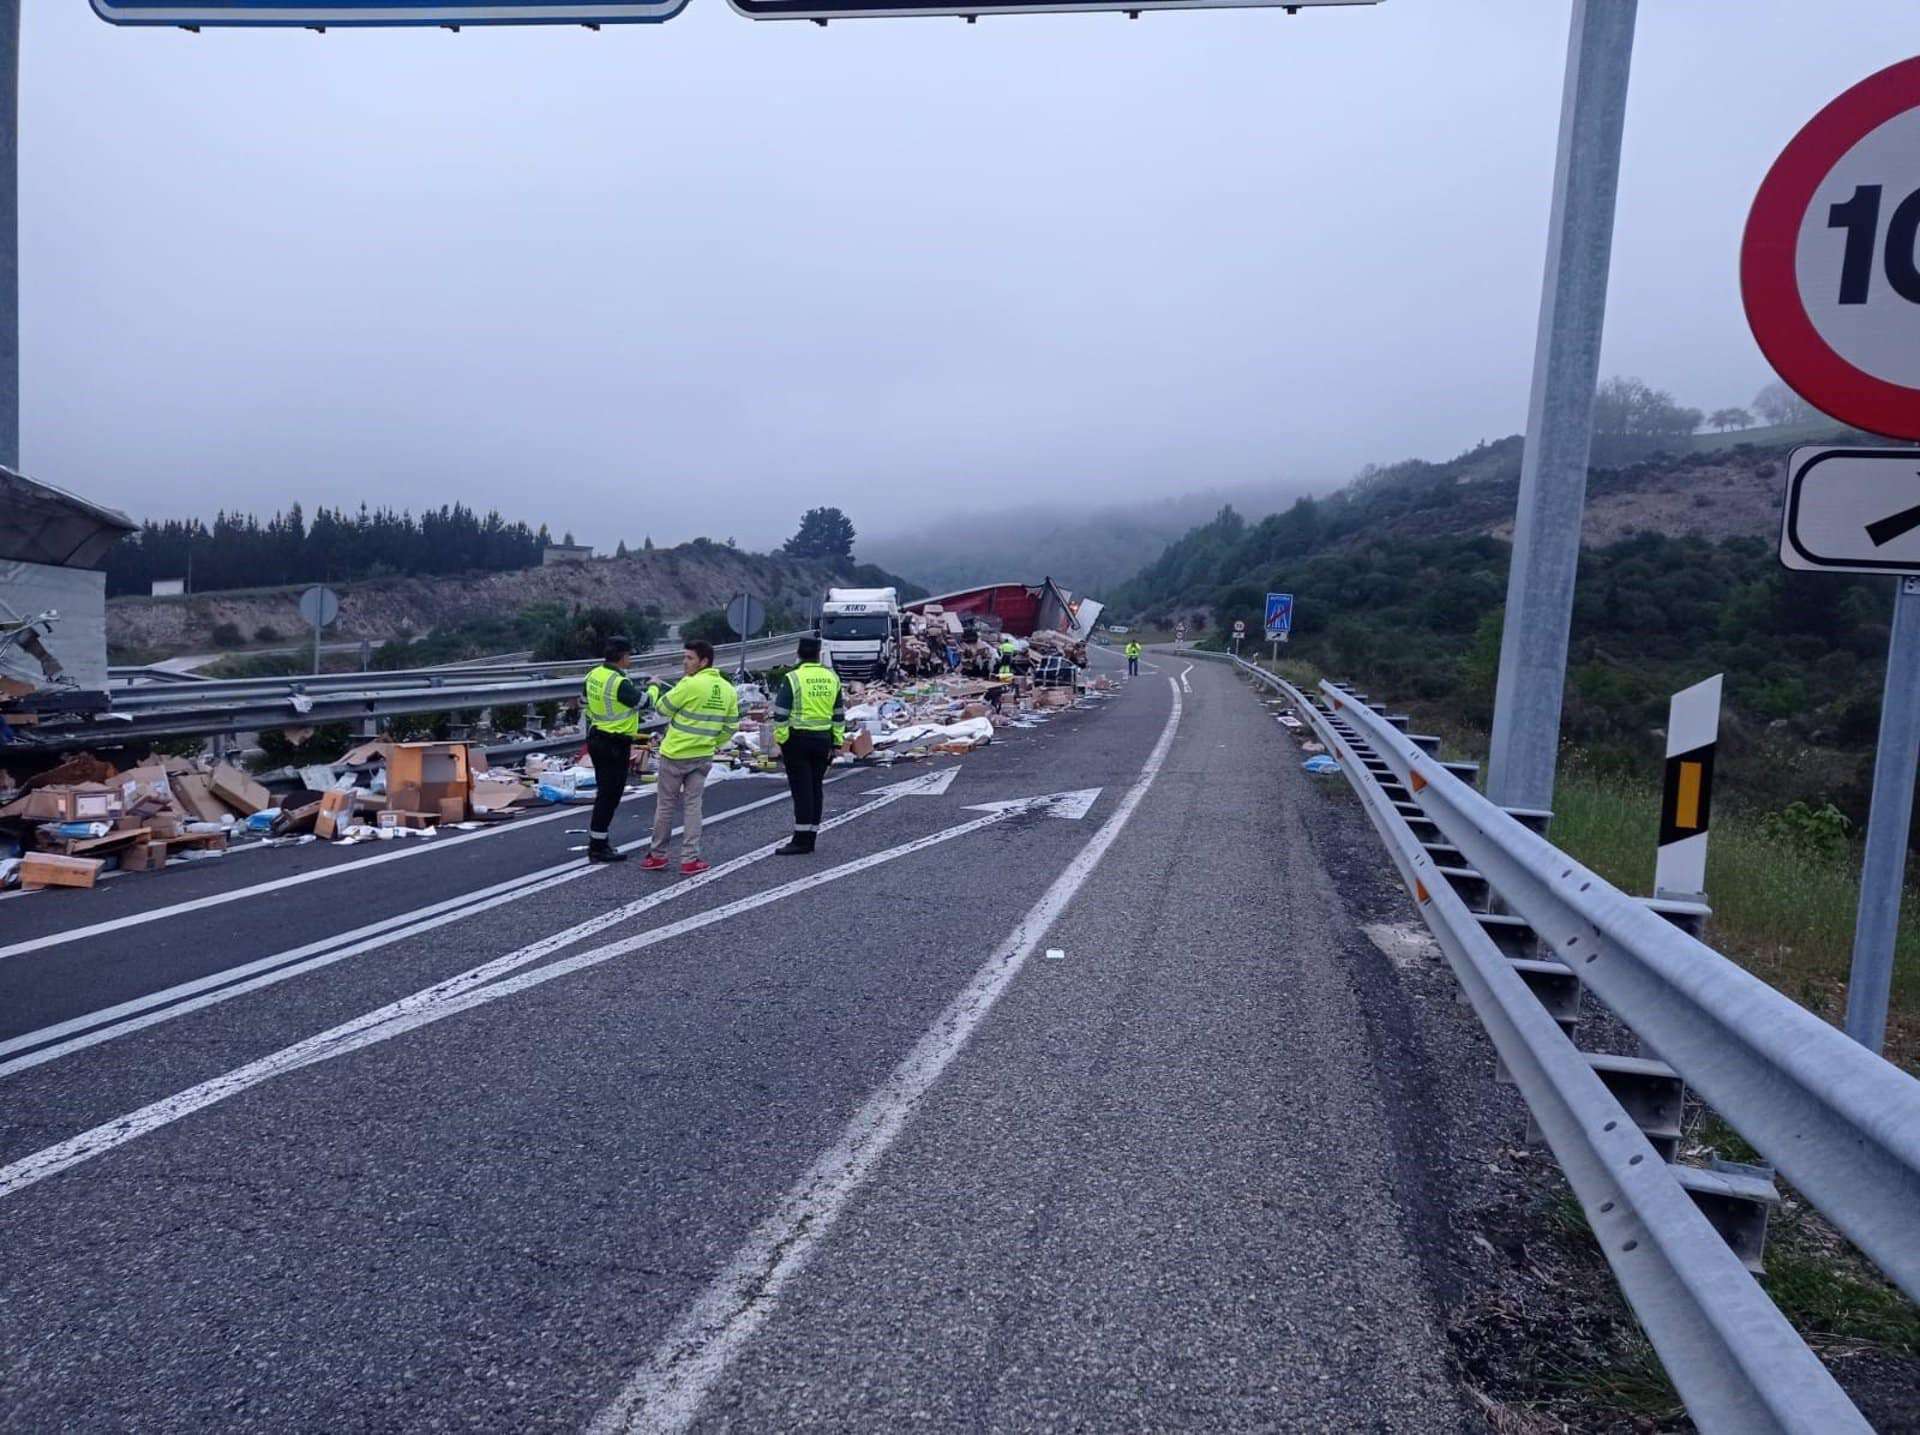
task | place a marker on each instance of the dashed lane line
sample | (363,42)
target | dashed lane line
(665,1395)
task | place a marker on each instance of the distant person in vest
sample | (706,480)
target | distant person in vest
(612,706)
(701,710)
(1133,660)
(810,724)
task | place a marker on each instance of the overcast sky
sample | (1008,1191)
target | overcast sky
(692,278)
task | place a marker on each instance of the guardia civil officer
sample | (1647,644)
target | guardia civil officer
(612,705)
(810,724)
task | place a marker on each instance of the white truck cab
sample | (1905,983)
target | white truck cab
(860,631)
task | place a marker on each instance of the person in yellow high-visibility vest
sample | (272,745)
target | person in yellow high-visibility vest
(701,710)
(810,724)
(612,706)
(1133,659)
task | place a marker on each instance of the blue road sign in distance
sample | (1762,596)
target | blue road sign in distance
(1279,614)
(324,14)
(824,10)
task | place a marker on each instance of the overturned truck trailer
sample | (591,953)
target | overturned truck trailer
(1019,609)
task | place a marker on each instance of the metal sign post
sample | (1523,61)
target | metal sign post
(319,606)
(1566,360)
(745,615)
(1883,872)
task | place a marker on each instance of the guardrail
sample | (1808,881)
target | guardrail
(215,707)
(1526,929)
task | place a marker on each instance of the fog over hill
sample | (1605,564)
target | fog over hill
(1090,549)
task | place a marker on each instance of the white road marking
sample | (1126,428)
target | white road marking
(1185,686)
(666,1393)
(375,935)
(279,884)
(1054,954)
(444,999)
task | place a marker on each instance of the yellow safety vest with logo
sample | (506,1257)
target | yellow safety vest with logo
(814,695)
(701,712)
(1133,650)
(604,708)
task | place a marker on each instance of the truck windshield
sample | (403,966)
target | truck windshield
(852,627)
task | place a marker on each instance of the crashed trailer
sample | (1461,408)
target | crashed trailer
(1018,609)
(53,591)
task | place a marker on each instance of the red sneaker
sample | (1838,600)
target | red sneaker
(653,862)
(692,867)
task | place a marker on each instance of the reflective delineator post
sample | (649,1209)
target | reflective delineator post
(1693,731)
(1883,873)
(1566,364)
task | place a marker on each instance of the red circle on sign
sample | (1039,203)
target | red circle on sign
(1769,280)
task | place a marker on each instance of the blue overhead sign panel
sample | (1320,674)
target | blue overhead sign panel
(825,10)
(325,14)
(1279,614)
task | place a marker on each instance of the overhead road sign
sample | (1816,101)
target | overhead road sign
(1852,510)
(325,14)
(822,11)
(1830,266)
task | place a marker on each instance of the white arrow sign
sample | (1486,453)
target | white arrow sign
(478,987)
(1070,805)
(79,1033)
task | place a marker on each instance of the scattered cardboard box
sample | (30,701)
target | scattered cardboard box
(50,869)
(392,818)
(238,791)
(193,794)
(144,857)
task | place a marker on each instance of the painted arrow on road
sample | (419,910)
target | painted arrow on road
(479,987)
(139,1013)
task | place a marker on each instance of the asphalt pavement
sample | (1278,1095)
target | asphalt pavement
(826,1143)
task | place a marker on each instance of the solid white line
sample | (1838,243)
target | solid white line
(1185,686)
(434,1003)
(279,884)
(282,965)
(666,1393)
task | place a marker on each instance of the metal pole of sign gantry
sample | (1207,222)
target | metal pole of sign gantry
(10,234)
(1883,872)
(1566,362)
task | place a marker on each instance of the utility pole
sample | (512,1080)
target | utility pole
(1566,365)
(10,234)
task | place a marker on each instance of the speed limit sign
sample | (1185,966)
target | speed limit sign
(1830,268)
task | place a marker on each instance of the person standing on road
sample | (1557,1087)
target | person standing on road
(810,724)
(612,705)
(1133,659)
(701,710)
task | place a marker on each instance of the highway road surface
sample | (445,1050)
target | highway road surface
(1040,1098)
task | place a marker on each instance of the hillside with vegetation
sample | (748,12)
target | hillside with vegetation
(511,608)
(1400,579)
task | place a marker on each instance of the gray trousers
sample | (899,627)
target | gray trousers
(681,781)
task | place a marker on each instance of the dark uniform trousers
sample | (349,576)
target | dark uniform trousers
(807,756)
(608,752)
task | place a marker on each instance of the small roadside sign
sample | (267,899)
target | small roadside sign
(1239,625)
(745,615)
(1852,510)
(1829,270)
(325,14)
(822,11)
(319,606)
(1279,622)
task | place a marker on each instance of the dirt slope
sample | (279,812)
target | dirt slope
(682,581)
